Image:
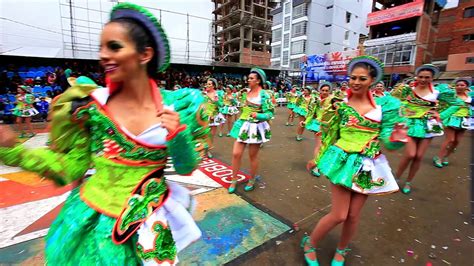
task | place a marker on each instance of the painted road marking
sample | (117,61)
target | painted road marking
(16,218)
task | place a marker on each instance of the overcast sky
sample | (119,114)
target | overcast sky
(31,26)
(37,24)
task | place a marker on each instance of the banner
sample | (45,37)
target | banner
(328,67)
(409,10)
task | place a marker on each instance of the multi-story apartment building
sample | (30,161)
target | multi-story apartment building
(306,27)
(402,34)
(242,31)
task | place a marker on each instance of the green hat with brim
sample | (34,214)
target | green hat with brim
(260,73)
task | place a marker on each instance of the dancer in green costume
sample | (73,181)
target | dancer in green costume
(301,109)
(252,129)
(421,105)
(125,213)
(229,108)
(24,110)
(456,120)
(314,117)
(291,98)
(214,102)
(351,155)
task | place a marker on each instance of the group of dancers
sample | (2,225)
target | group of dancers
(125,213)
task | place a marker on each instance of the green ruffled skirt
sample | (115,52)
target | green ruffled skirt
(82,236)
(313,126)
(290,106)
(300,111)
(454,122)
(356,172)
(418,128)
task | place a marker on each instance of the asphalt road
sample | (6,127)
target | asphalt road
(432,224)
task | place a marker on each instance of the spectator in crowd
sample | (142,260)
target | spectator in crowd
(43,107)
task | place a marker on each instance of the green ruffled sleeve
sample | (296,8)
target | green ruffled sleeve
(69,156)
(330,124)
(220,98)
(450,110)
(29,98)
(312,107)
(188,143)
(267,107)
(446,94)
(390,117)
(400,92)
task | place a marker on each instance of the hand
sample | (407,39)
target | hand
(434,114)
(7,137)
(310,165)
(399,133)
(302,123)
(169,119)
(254,115)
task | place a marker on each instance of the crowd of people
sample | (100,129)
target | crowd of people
(126,128)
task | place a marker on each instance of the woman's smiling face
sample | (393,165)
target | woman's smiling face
(118,54)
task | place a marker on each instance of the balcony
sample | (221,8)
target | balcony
(402,38)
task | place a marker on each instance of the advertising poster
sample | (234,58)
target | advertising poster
(328,67)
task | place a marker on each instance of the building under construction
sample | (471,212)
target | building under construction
(242,31)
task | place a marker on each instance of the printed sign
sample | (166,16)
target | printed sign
(329,67)
(220,172)
(413,9)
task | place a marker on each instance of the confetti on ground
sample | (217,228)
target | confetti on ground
(433,246)
(445,248)
(447,262)
(410,252)
(416,240)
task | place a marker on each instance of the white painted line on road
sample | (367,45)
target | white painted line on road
(16,218)
(198,178)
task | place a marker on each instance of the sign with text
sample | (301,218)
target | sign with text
(220,172)
(329,67)
(413,9)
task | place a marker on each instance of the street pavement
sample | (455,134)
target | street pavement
(431,225)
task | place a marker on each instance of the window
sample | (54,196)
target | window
(328,25)
(285,58)
(469,60)
(287,24)
(298,47)
(393,54)
(276,51)
(287,7)
(276,35)
(299,29)
(468,37)
(348,17)
(277,19)
(327,43)
(276,63)
(346,35)
(295,63)
(299,11)
(469,12)
(286,40)
(329,7)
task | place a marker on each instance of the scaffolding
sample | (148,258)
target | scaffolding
(242,32)
(82,22)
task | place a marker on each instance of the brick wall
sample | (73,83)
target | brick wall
(255,57)
(452,27)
